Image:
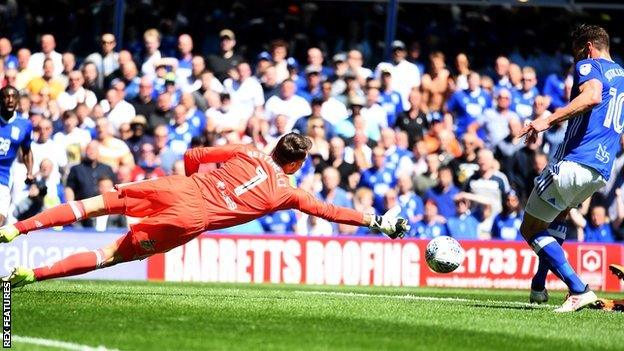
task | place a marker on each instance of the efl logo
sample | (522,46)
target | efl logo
(591,265)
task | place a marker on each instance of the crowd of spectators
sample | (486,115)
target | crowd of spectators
(433,136)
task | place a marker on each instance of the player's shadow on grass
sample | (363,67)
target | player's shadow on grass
(508,307)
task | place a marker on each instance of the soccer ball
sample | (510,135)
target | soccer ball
(444,254)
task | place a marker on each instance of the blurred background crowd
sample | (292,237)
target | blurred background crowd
(429,129)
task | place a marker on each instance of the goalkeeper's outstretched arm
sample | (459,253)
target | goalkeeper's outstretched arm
(196,156)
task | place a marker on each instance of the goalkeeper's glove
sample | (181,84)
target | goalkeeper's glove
(389,224)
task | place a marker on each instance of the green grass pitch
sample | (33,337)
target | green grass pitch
(176,316)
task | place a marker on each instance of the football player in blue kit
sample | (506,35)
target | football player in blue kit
(584,160)
(15,134)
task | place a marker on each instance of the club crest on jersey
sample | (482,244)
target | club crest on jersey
(602,154)
(15,133)
(585,69)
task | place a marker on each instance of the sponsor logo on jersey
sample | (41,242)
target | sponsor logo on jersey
(602,154)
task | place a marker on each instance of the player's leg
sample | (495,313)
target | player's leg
(558,229)
(121,250)
(617,269)
(65,214)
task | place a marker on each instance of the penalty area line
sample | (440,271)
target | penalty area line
(64,345)
(423,298)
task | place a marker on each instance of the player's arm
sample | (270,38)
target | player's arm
(196,156)
(389,224)
(590,95)
(27,155)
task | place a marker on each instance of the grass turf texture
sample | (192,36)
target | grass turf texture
(183,316)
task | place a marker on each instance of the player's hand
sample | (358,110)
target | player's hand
(532,129)
(30,179)
(389,224)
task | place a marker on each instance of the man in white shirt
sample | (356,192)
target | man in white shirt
(76,93)
(151,39)
(246,91)
(44,147)
(118,111)
(48,44)
(332,110)
(288,104)
(374,115)
(106,60)
(405,75)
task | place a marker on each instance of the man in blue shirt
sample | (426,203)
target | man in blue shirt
(468,105)
(280,222)
(432,225)
(444,193)
(506,224)
(583,162)
(378,178)
(523,99)
(334,194)
(463,226)
(15,133)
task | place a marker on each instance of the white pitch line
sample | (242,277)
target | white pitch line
(422,298)
(64,345)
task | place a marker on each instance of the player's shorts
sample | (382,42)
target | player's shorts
(562,185)
(5,200)
(172,209)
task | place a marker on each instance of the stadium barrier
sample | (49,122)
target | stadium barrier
(319,260)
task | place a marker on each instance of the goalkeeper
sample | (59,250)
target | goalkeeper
(176,209)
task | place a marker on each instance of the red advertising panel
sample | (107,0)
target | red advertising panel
(369,261)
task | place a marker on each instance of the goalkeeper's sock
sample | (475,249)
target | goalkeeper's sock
(58,216)
(549,250)
(75,264)
(559,231)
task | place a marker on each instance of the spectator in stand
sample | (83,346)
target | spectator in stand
(185,58)
(312,87)
(506,224)
(103,223)
(46,84)
(69,64)
(358,152)
(523,172)
(36,61)
(263,61)
(524,98)
(144,103)
(390,99)
(196,118)
(374,115)
(432,224)
(43,147)
(91,77)
(462,71)
(501,79)
(76,93)
(466,165)
(355,63)
(332,110)
(554,86)
(24,73)
(138,136)
(363,202)
(178,168)
(117,110)
(429,178)
(317,133)
(268,81)
(279,54)
(147,165)
(315,60)
(488,181)
(288,104)
(378,178)
(397,158)
(413,121)
(506,150)
(72,139)
(166,156)
(554,136)
(84,120)
(443,194)
(279,222)
(111,151)
(181,132)
(301,125)
(332,193)
(468,105)
(82,178)
(9,61)
(336,160)
(106,60)
(598,229)
(515,77)
(463,226)
(42,194)
(151,54)
(412,206)
(436,80)
(162,115)
(227,117)
(209,87)
(245,91)
(495,121)
(226,59)
(406,74)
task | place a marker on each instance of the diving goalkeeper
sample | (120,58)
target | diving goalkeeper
(176,209)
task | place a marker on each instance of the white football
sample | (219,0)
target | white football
(444,254)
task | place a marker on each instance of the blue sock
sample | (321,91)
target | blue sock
(549,250)
(559,230)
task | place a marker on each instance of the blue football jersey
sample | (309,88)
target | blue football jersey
(13,135)
(593,139)
(467,106)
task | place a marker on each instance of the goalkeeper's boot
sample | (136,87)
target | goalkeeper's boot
(8,233)
(577,302)
(538,296)
(20,276)
(617,270)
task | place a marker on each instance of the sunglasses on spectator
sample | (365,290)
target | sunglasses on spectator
(320,126)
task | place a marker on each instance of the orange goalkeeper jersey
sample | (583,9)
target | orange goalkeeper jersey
(249,184)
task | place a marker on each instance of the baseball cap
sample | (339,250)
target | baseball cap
(227,33)
(311,70)
(139,119)
(292,63)
(357,100)
(340,57)
(264,56)
(397,44)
